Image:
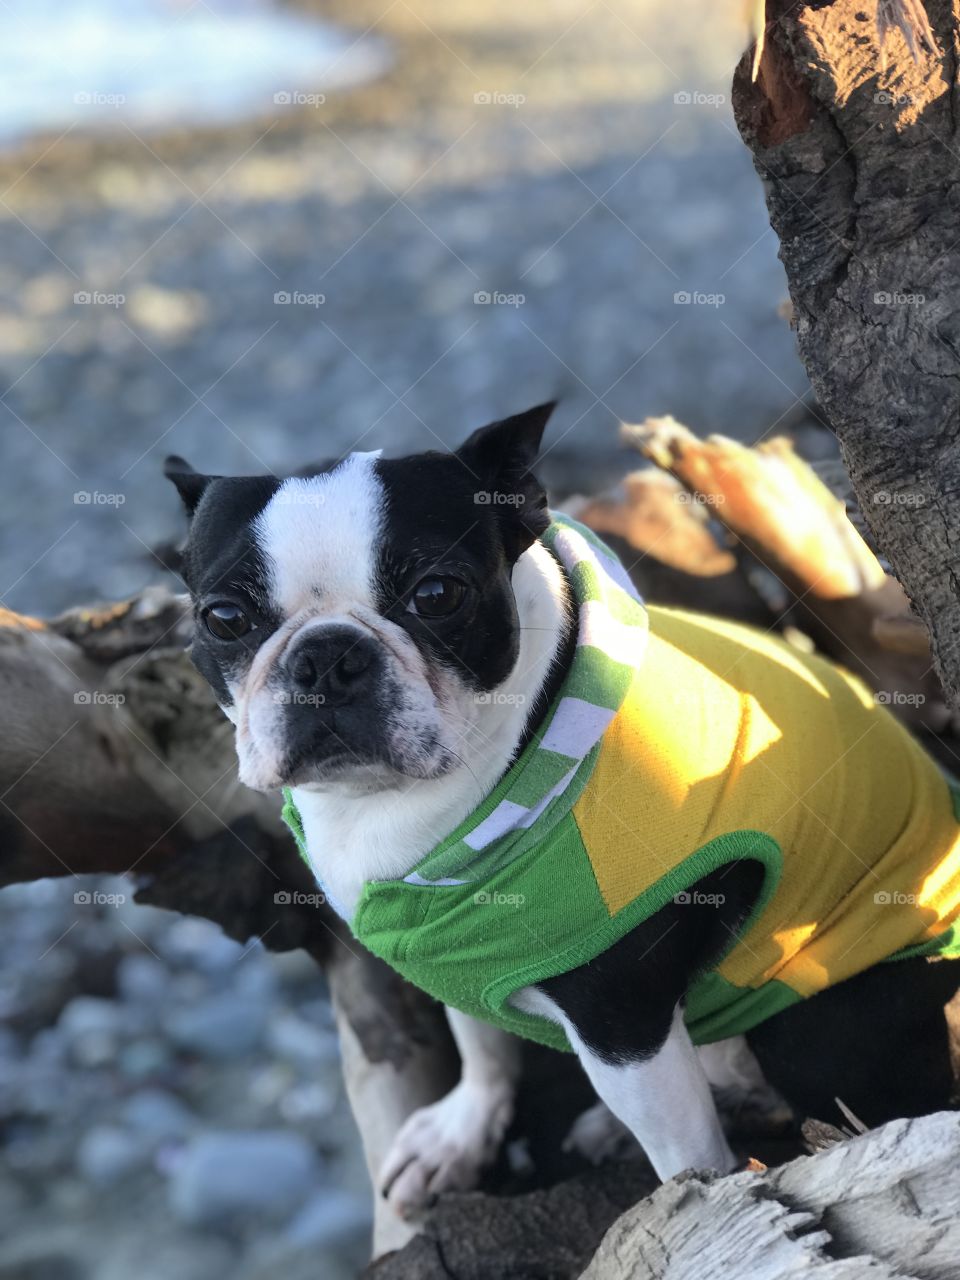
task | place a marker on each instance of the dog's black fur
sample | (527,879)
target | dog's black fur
(879,1041)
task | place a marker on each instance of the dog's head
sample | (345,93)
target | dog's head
(350,619)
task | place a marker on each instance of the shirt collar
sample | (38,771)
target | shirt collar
(543,784)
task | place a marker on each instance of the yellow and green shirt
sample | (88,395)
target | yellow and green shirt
(678,744)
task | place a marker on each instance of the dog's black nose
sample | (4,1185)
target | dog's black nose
(335,666)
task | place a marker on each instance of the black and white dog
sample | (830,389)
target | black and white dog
(385,584)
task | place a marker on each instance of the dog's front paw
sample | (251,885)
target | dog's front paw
(444,1147)
(598,1135)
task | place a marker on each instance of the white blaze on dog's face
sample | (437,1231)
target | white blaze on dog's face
(350,621)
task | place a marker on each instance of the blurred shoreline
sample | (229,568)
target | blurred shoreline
(510,213)
(106,65)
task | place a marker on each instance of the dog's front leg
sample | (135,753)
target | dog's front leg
(658,1090)
(622,1013)
(444,1147)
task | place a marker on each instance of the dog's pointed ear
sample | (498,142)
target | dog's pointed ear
(501,457)
(509,446)
(190,484)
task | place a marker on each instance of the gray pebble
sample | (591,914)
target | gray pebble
(157,1114)
(92,1028)
(263,1173)
(107,1153)
(144,1059)
(142,979)
(299,1041)
(330,1218)
(200,945)
(219,1027)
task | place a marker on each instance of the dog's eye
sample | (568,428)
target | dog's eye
(226,621)
(437,597)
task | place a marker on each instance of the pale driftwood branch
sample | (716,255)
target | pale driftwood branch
(654,514)
(884,1205)
(909,18)
(771,499)
(396,1055)
(788,520)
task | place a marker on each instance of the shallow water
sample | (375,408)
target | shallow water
(104,64)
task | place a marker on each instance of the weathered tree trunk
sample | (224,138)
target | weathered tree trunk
(857,147)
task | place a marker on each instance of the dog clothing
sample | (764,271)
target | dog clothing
(679,744)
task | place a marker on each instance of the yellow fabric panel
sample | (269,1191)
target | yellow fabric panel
(726,729)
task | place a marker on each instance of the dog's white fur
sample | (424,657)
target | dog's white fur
(383,837)
(405,810)
(347,504)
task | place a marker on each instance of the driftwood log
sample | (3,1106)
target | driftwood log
(885,1206)
(117,760)
(852,123)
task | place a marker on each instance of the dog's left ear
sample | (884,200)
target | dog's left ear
(501,457)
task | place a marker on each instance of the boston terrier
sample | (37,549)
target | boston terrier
(617,829)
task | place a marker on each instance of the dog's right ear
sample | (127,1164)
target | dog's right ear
(190,484)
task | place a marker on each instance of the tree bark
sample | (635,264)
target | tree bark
(861,169)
